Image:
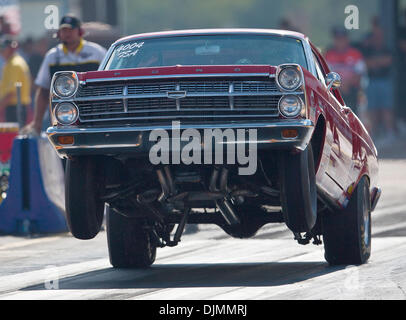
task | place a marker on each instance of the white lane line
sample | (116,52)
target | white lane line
(25,279)
(390,210)
(24,242)
(377,230)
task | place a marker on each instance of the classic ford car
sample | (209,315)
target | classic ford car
(238,128)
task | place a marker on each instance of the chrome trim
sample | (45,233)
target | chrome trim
(177,94)
(200,75)
(102,146)
(281,124)
(69,73)
(106,58)
(231,95)
(333,80)
(154,95)
(177,88)
(77,113)
(123,107)
(289,117)
(311,66)
(284,66)
(185,110)
(177,116)
(125,99)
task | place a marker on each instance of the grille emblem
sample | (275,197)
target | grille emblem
(176,94)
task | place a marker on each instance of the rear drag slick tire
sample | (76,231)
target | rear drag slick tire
(129,243)
(347,233)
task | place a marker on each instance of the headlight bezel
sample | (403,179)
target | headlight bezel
(283,67)
(59,105)
(71,74)
(299,99)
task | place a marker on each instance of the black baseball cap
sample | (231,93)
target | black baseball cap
(70,21)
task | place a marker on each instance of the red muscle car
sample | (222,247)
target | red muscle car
(234,127)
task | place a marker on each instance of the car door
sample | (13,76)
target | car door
(339,137)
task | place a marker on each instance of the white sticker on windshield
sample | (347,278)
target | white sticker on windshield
(128,50)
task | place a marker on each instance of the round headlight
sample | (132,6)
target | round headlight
(66,113)
(290,105)
(65,85)
(289,78)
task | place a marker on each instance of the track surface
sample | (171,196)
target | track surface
(211,265)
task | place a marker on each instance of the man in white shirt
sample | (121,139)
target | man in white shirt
(72,54)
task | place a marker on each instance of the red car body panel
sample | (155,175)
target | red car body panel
(348,152)
(178,70)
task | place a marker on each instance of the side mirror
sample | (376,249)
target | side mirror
(333,80)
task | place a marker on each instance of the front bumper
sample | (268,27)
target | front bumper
(135,139)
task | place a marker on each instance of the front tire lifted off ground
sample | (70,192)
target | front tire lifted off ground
(83,188)
(298,190)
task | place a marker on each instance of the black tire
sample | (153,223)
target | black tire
(347,233)
(298,190)
(129,244)
(83,187)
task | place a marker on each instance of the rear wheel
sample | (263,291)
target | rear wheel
(298,190)
(130,244)
(83,187)
(347,233)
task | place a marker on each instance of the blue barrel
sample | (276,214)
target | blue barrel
(35,199)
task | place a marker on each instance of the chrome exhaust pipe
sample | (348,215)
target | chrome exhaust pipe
(167,183)
(224,205)
(227,211)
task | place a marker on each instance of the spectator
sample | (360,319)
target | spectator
(380,89)
(15,70)
(349,63)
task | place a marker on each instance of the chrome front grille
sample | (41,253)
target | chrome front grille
(257,86)
(203,101)
(151,88)
(189,86)
(99,91)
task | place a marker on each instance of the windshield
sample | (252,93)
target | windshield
(234,49)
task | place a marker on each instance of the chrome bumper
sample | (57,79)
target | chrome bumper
(135,139)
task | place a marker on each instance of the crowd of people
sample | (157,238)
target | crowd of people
(367,83)
(365,68)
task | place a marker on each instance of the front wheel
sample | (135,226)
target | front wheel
(298,190)
(130,244)
(83,188)
(347,233)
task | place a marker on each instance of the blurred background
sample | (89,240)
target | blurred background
(370,56)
